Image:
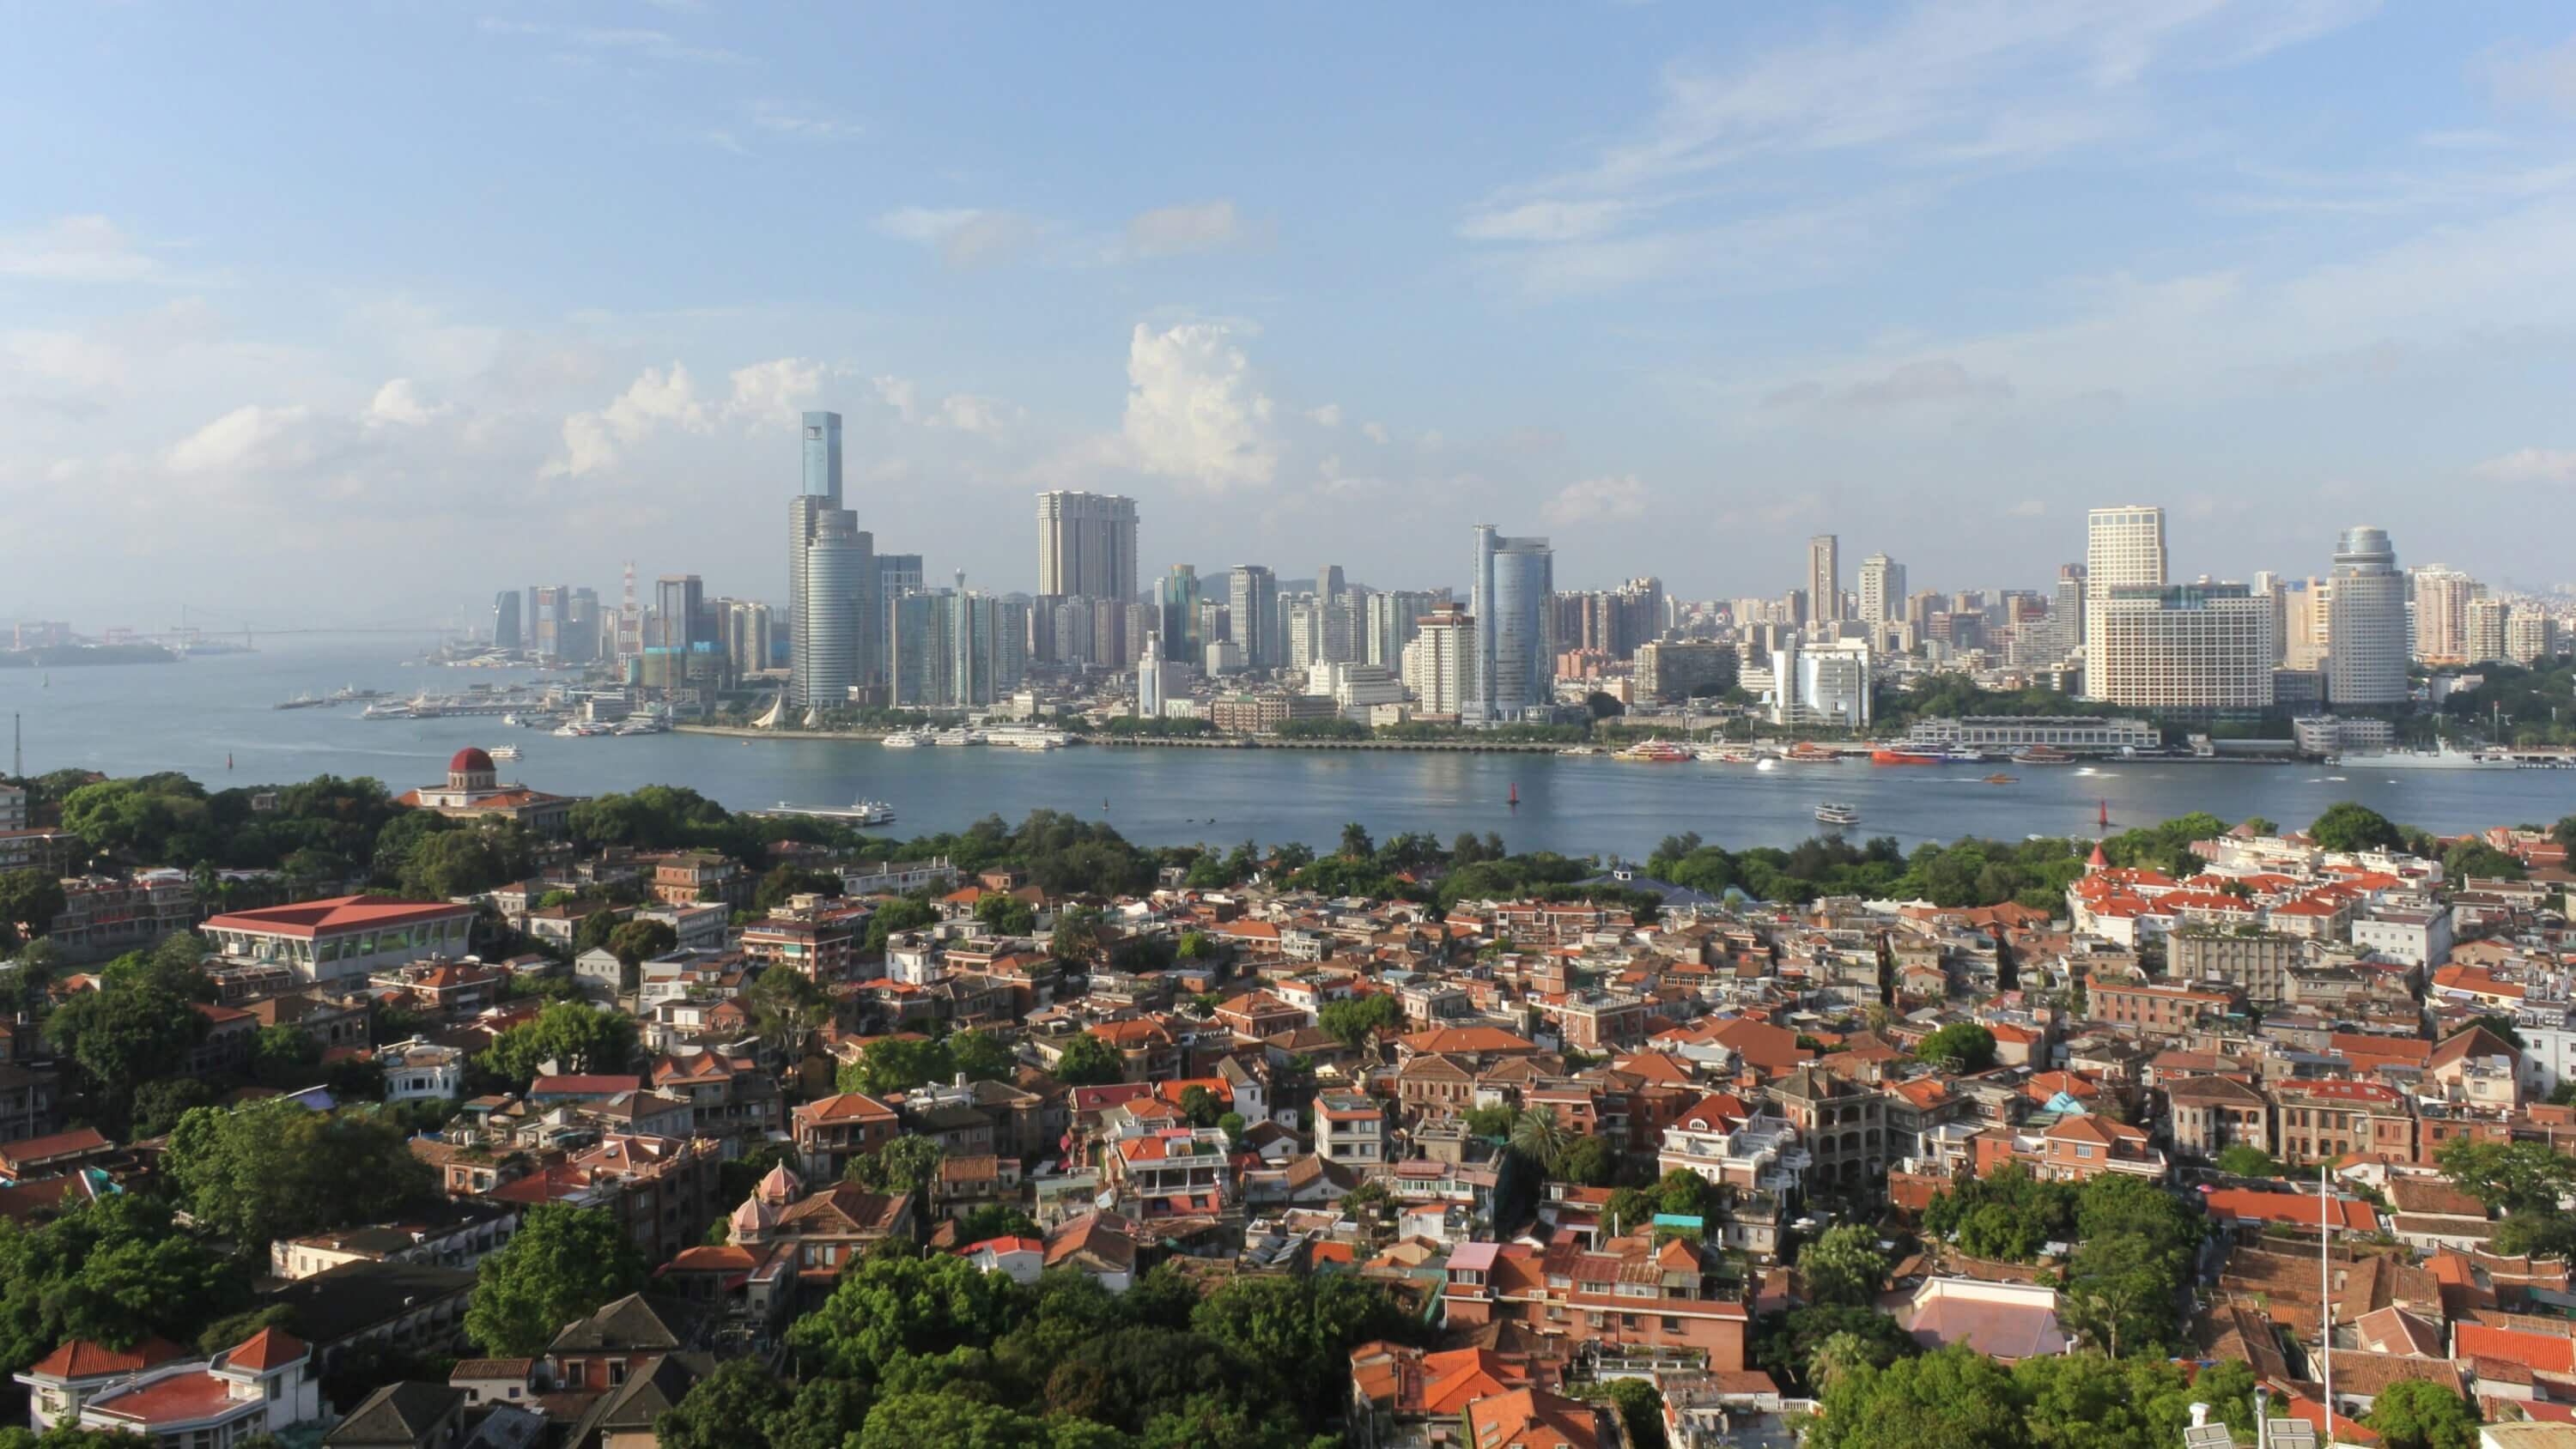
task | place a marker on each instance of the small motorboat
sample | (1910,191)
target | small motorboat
(2003,780)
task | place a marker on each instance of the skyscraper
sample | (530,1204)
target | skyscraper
(2365,622)
(505,619)
(831,618)
(2442,612)
(1515,658)
(1825,579)
(1440,662)
(1328,581)
(1389,623)
(1882,589)
(1179,601)
(2488,622)
(2123,548)
(1087,545)
(1253,612)
(2185,649)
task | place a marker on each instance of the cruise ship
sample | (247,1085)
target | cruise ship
(2448,757)
(907,739)
(861,812)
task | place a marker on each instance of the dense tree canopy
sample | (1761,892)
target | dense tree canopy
(576,1037)
(565,1262)
(113,1270)
(277,1169)
(2348,826)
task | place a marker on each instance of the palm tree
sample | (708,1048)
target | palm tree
(1539,1137)
(1839,1354)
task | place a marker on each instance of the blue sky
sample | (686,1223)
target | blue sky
(407,302)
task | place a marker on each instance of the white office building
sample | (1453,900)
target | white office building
(2124,547)
(2188,649)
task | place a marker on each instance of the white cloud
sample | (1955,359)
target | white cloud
(2532,465)
(1737,148)
(774,391)
(1199,226)
(1374,432)
(246,438)
(631,42)
(1928,381)
(964,238)
(969,414)
(398,404)
(764,393)
(801,122)
(2545,78)
(1605,499)
(1194,411)
(74,249)
(900,394)
(1327,416)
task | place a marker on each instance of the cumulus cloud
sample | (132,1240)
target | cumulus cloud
(74,249)
(764,392)
(1199,226)
(1605,499)
(1374,432)
(1327,416)
(957,412)
(247,437)
(398,404)
(963,238)
(1194,411)
(2532,465)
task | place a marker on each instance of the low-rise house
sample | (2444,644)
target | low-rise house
(2005,1321)
(831,1131)
(406,1414)
(62,1382)
(452,1233)
(261,1385)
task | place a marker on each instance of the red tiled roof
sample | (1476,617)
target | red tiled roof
(340,913)
(82,1359)
(2546,1352)
(270,1348)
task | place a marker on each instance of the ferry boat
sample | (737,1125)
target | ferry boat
(304,701)
(1833,814)
(1656,752)
(388,709)
(642,724)
(2043,755)
(1718,755)
(1807,752)
(907,739)
(579,729)
(503,752)
(1899,755)
(1572,751)
(861,812)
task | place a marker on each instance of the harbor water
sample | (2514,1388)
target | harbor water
(196,715)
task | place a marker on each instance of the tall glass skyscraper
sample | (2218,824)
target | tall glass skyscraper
(1515,661)
(831,620)
(2365,622)
(1253,614)
(1180,610)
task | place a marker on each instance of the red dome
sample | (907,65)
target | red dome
(468,760)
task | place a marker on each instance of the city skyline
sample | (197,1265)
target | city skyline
(1963,290)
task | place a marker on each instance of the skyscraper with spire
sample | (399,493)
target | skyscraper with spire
(832,589)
